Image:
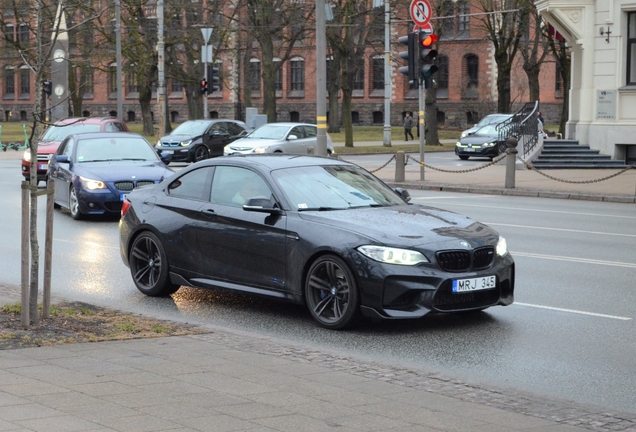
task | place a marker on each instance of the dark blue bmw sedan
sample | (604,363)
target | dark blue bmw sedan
(315,231)
(93,172)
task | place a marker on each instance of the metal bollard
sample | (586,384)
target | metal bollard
(511,151)
(399,166)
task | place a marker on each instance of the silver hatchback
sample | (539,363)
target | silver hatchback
(298,138)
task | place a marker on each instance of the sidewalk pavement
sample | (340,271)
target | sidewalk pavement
(235,381)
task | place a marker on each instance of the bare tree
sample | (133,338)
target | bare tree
(562,55)
(534,47)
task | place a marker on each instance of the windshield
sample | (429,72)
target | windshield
(270,131)
(115,149)
(192,128)
(488,130)
(58,133)
(492,119)
(333,188)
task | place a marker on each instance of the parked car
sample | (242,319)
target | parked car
(489,119)
(195,140)
(299,138)
(312,230)
(483,143)
(59,130)
(93,172)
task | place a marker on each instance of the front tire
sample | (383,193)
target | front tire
(149,266)
(73,205)
(331,293)
(201,153)
(463,157)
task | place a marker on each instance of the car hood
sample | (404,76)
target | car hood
(114,171)
(178,138)
(478,139)
(48,147)
(409,225)
(254,142)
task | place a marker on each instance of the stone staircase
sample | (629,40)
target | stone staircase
(569,154)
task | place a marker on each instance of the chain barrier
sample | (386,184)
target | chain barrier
(383,166)
(494,161)
(530,166)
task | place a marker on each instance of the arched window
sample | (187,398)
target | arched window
(470,76)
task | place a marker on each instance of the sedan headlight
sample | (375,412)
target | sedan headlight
(27,155)
(458,144)
(502,247)
(185,143)
(260,149)
(464,135)
(490,144)
(391,255)
(92,184)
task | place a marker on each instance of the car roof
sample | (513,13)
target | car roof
(212,121)
(289,124)
(274,161)
(94,135)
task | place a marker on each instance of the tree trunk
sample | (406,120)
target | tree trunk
(145,96)
(269,80)
(532,72)
(503,86)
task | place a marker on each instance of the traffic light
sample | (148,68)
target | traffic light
(215,79)
(47,87)
(427,54)
(204,86)
(411,56)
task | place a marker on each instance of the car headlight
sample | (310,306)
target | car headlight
(490,144)
(92,184)
(391,255)
(260,149)
(458,144)
(502,247)
(464,135)
(185,143)
(27,155)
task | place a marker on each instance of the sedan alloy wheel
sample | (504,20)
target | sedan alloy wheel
(73,204)
(149,266)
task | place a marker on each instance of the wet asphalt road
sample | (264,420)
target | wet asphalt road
(570,334)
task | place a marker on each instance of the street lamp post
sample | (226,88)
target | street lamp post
(387,75)
(120,79)
(206,56)
(161,88)
(321,82)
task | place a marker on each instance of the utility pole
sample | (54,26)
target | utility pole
(120,78)
(161,87)
(321,83)
(387,75)
(206,56)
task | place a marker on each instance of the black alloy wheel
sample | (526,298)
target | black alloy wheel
(149,266)
(201,153)
(331,293)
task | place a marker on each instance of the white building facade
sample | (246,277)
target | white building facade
(602,37)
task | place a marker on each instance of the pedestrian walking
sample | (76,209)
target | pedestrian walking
(408,125)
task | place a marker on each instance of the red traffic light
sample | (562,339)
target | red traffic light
(204,86)
(428,40)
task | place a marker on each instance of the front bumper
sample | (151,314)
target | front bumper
(477,150)
(175,154)
(402,292)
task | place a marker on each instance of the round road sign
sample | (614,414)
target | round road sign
(420,12)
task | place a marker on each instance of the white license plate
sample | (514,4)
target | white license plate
(474,284)
(42,166)
(470,149)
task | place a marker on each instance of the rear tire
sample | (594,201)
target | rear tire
(149,266)
(331,293)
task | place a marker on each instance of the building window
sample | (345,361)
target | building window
(25,82)
(378,74)
(9,82)
(298,75)
(463,18)
(177,86)
(132,85)
(558,81)
(9,32)
(24,34)
(442,77)
(358,79)
(255,76)
(471,76)
(279,76)
(112,79)
(448,22)
(631,48)
(86,80)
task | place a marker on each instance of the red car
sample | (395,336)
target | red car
(56,133)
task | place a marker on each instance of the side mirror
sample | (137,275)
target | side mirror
(406,196)
(292,137)
(261,204)
(62,159)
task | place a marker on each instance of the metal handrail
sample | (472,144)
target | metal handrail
(523,125)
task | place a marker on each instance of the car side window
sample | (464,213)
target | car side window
(110,127)
(233,186)
(218,127)
(120,127)
(298,131)
(234,129)
(193,185)
(67,149)
(310,131)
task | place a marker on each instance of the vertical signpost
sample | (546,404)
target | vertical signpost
(421,15)
(206,56)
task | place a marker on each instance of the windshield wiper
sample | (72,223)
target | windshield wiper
(320,209)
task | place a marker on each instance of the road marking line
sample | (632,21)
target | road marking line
(561,229)
(574,311)
(572,259)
